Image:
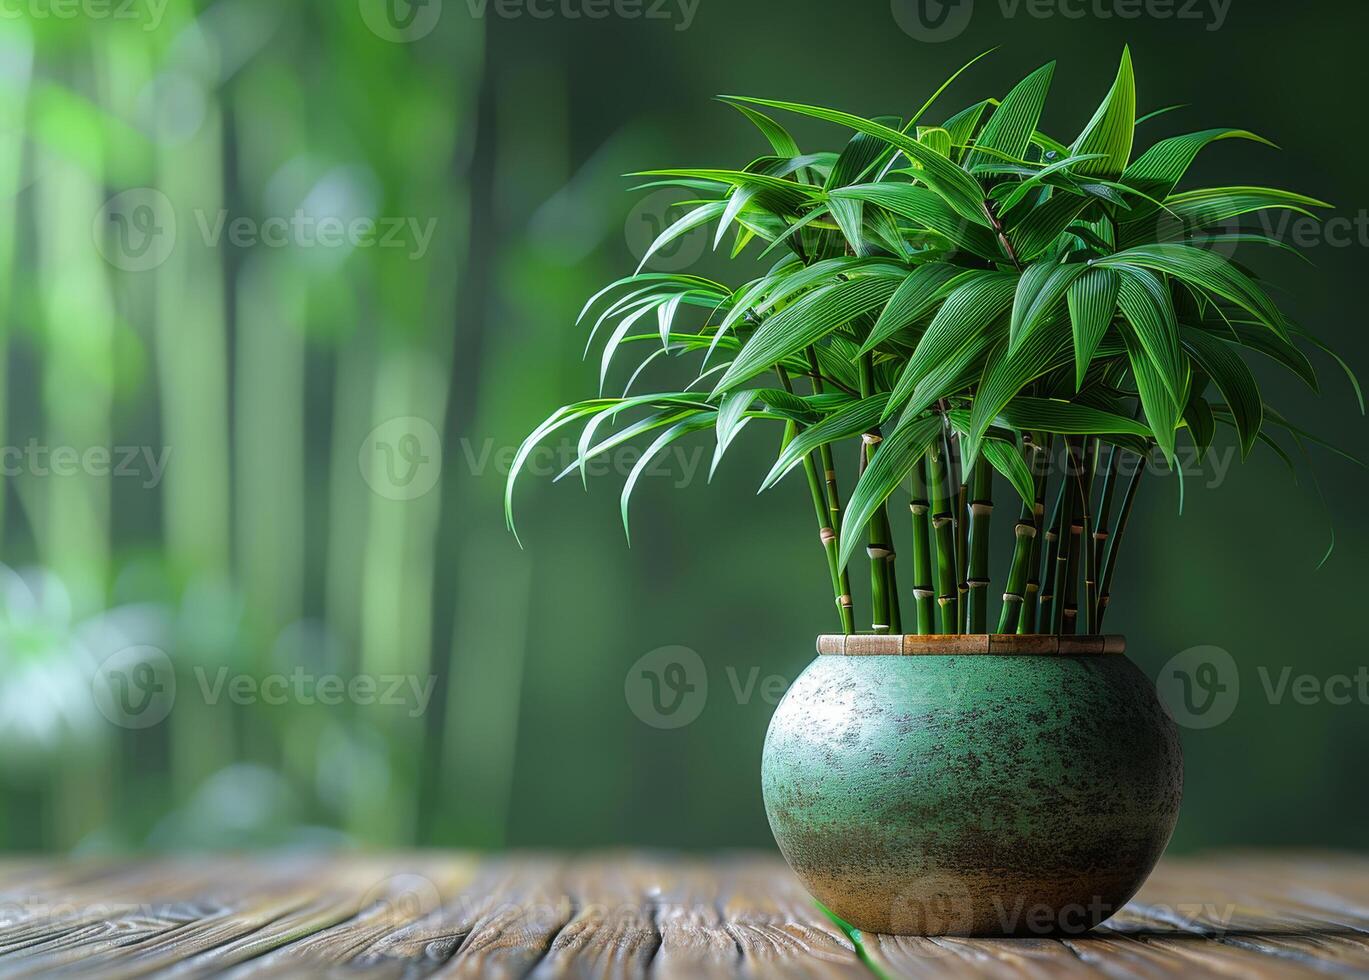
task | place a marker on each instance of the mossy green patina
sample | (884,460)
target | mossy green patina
(972,795)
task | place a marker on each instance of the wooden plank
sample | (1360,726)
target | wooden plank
(634,916)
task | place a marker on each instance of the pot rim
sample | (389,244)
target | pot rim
(971,645)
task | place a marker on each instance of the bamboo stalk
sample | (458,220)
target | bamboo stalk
(944,530)
(880,550)
(1115,541)
(1101,530)
(962,553)
(1014,597)
(1049,566)
(1067,623)
(827,535)
(834,508)
(923,589)
(1041,465)
(981,518)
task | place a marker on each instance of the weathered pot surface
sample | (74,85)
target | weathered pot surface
(972,785)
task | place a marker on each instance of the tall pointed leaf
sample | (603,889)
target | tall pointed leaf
(1041,288)
(1112,128)
(1009,130)
(914,298)
(862,416)
(1158,171)
(928,210)
(1234,380)
(1093,305)
(1146,303)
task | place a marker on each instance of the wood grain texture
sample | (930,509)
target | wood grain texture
(633,915)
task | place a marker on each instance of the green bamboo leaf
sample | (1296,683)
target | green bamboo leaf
(1205,270)
(1025,413)
(1009,130)
(1234,380)
(700,216)
(1345,367)
(894,460)
(1158,171)
(1039,292)
(964,125)
(1007,459)
(958,188)
(778,137)
(731,419)
(676,432)
(1093,306)
(1254,336)
(928,210)
(807,321)
(1113,127)
(1202,427)
(915,297)
(1146,303)
(862,154)
(935,138)
(1042,225)
(1009,370)
(1157,403)
(853,420)
(963,321)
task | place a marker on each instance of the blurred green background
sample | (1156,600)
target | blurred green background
(305,427)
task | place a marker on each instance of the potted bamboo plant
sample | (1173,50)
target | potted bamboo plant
(950,314)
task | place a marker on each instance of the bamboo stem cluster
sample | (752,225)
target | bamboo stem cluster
(1060,575)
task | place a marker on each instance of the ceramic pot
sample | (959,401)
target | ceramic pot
(973,786)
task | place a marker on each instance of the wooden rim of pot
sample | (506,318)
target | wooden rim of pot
(971,645)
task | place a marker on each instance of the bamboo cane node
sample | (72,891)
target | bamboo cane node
(1027,531)
(871,439)
(827,535)
(1033,587)
(1100,535)
(941,521)
(946,600)
(878,551)
(845,601)
(831,476)
(1012,598)
(979,583)
(924,593)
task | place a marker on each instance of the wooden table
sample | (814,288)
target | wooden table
(631,915)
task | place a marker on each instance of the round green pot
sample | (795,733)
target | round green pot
(972,786)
